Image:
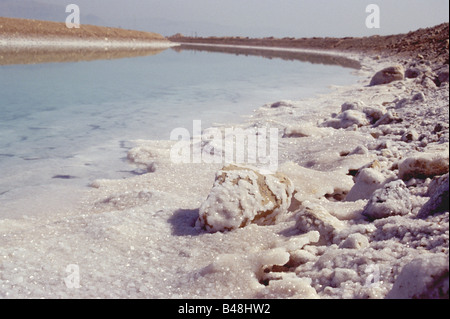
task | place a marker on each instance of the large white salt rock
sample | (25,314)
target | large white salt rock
(425,277)
(243,195)
(393,199)
(388,75)
(423,165)
(366,182)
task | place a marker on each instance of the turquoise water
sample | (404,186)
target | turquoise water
(73,122)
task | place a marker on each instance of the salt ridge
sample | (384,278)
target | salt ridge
(61,43)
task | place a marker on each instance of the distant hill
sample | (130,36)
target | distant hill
(18,27)
(30,9)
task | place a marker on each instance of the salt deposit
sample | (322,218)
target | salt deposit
(70,44)
(392,199)
(424,277)
(241,196)
(366,182)
(315,217)
(137,237)
(424,165)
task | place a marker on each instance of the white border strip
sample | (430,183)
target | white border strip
(274,48)
(68,43)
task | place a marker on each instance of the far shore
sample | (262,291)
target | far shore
(429,43)
(25,41)
(18,28)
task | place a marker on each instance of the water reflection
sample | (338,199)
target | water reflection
(269,53)
(9,56)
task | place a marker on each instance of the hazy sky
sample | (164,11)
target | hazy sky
(299,18)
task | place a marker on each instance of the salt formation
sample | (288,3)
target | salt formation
(424,277)
(373,113)
(311,184)
(305,130)
(366,182)
(315,217)
(346,119)
(358,114)
(392,199)
(355,241)
(146,157)
(241,196)
(424,165)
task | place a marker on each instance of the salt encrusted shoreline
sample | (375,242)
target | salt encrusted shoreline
(137,237)
(62,43)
